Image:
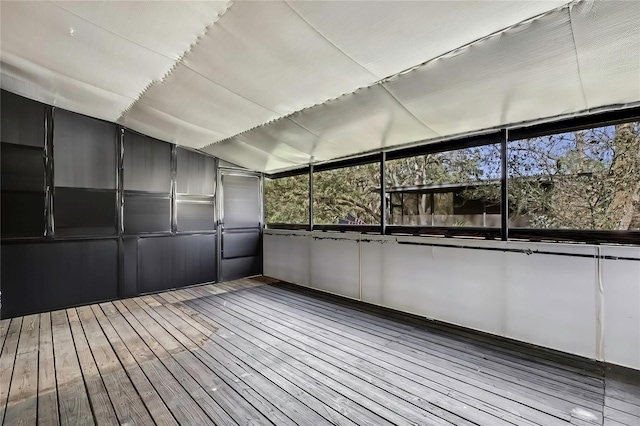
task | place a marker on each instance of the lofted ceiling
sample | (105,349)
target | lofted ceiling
(275,85)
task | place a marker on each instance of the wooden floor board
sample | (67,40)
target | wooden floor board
(178,400)
(73,399)
(167,349)
(389,362)
(388,330)
(260,352)
(464,363)
(47,389)
(323,386)
(22,405)
(398,401)
(7,361)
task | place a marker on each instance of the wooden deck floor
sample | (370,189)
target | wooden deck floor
(248,352)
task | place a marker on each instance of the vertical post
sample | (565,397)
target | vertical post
(122,290)
(383,193)
(174,188)
(49,188)
(219,221)
(311,197)
(504,199)
(432,201)
(120,180)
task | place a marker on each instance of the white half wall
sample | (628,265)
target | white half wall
(580,299)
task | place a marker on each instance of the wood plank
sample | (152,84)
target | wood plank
(621,416)
(444,344)
(4,328)
(152,400)
(238,368)
(22,405)
(128,407)
(423,329)
(544,356)
(464,385)
(179,401)
(465,362)
(324,403)
(190,329)
(47,389)
(101,405)
(387,406)
(194,376)
(74,406)
(7,361)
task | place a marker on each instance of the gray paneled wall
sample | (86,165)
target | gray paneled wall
(92,211)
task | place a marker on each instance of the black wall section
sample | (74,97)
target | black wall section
(84,151)
(196,215)
(80,211)
(144,214)
(22,167)
(241,201)
(22,120)
(44,276)
(241,244)
(147,164)
(175,262)
(92,211)
(22,215)
(242,234)
(196,173)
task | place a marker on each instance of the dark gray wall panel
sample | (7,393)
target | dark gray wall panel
(155,265)
(146,214)
(84,151)
(196,173)
(47,276)
(241,244)
(130,267)
(22,214)
(80,211)
(168,262)
(241,201)
(147,164)
(195,259)
(195,216)
(241,267)
(22,120)
(22,168)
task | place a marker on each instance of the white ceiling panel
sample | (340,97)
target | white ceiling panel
(607,39)
(50,38)
(165,27)
(190,97)
(37,82)
(387,37)
(242,154)
(160,125)
(266,53)
(272,85)
(530,71)
(367,120)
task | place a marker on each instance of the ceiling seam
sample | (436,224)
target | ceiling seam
(407,109)
(176,62)
(330,42)
(575,45)
(408,70)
